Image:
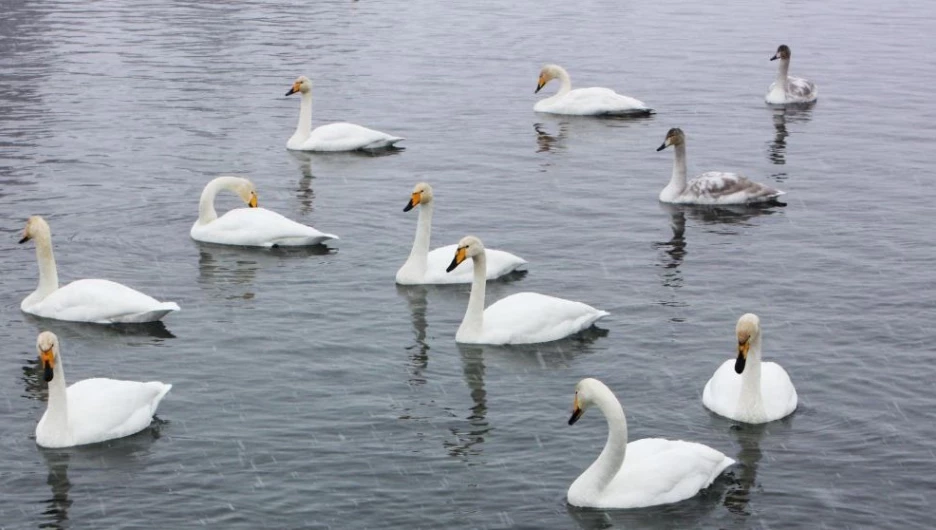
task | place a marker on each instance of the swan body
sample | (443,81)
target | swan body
(428,267)
(251,227)
(522,318)
(334,136)
(747,389)
(92,410)
(594,101)
(710,188)
(90,300)
(641,473)
(787,89)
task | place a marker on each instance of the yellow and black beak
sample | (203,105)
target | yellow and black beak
(460,255)
(25,239)
(743,345)
(294,89)
(413,202)
(47,358)
(540,84)
(577,411)
(253,200)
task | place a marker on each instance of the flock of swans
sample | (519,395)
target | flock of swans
(625,475)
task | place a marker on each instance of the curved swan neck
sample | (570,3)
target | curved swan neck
(783,70)
(678,180)
(565,80)
(751,377)
(304,127)
(206,210)
(474,315)
(606,466)
(48,274)
(419,255)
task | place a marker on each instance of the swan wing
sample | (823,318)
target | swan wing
(347,137)
(659,471)
(723,391)
(499,263)
(257,227)
(801,90)
(527,318)
(593,101)
(101,302)
(777,391)
(715,187)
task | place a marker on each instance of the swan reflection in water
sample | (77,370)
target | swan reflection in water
(115,458)
(749,437)
(304,192)
(546,142)
(415,296)
(232,270)
(782,116)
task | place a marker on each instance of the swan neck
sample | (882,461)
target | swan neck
(419,255)
(678,180)
(48,274)
(304,127)
(474,315)
(57,407)
(609,462)
(565,82)
(783,70)
(206,209)
(751,377)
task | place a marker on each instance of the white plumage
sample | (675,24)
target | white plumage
(595,101)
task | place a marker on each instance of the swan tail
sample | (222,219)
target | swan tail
(157,313)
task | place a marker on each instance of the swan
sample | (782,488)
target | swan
(522,318)
(97,301)
(746,389)
(249,227)
(424,267)
(584,101)
(788,89)
(641,473)
(91,410)
(711,187)
(334,136)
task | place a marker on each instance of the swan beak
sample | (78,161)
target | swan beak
(577,411)
(662,147)
(775,57)
(253,200)
(293,90)
(540,84)
(413,202)
(460,256)
(47,357)
(25,239)
(743,345)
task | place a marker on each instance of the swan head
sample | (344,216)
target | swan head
(47,345)
(35,226)
(748,331)
(547,74)
(301,84)
(468,247)
(422,194)
(674,136)
(783,53)
(245,190)
(587,393)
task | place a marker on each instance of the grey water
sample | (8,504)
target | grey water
(311,392)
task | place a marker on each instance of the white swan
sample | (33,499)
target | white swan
(522,318)
(250,227)
(98,301)
(747,389)
(641,473)
(424,267)
(584,101)
(334,136)
(711,187)
(92,410)
(787,89)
